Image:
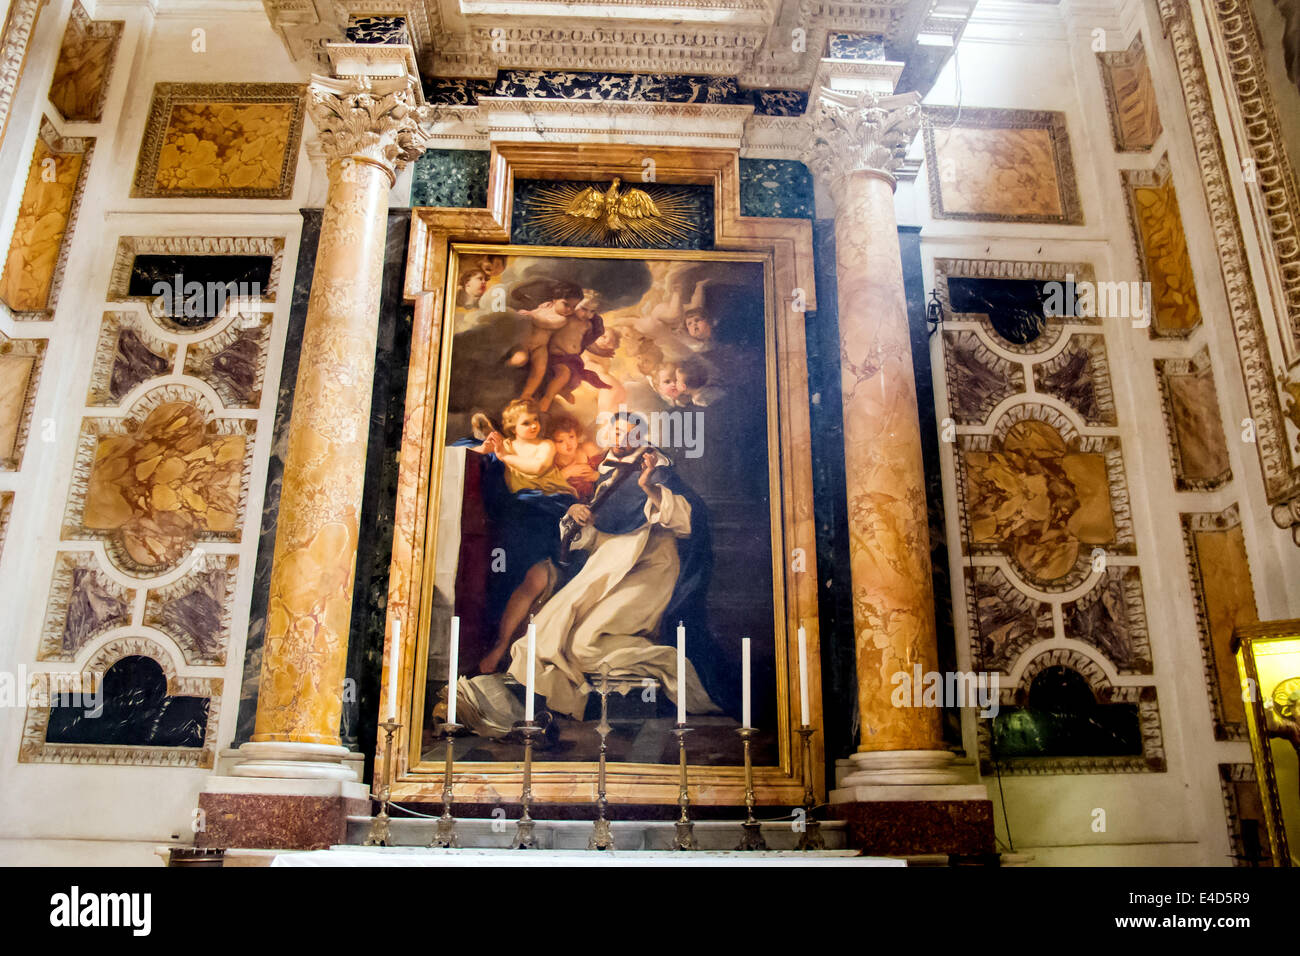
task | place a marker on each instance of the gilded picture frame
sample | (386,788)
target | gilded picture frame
(1268,662)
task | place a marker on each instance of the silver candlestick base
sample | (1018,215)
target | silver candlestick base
(444,835)
(602,837)
(524,837)
(811,838)
(684,836)
(752,836)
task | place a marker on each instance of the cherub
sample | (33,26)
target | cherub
(597,357)
(566,346)
(529,458)
(549,303)
(470,288)
(694,386)
(666,382)
(575,455)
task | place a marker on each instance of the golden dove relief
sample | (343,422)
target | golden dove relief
(613,216)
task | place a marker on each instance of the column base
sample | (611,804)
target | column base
(281,814)
(877,768)
(294,761)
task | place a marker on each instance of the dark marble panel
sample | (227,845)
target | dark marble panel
(450,177)
(92,609)
(781,188)
(1014,306)
(136,711)
(693,203)
(376,29)
(455,91)
(855,46)
(133,363)
(276,821)
(379,498)
(241,275)
(1062,718)
(197,613)
(236,364)
(311,219)
(830,507)
(909,241)
(903,827)
(779,102)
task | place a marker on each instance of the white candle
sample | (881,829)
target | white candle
(803,677)
(681,673)
(452,667)
(393,665)
(744,664)
(532,664)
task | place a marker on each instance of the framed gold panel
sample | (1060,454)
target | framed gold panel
(783,248)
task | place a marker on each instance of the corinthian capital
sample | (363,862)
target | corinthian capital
(860,130)
(369,119)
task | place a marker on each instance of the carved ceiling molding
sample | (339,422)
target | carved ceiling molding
(767,44)
(1280,472)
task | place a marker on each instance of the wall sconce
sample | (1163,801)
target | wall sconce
(934,311)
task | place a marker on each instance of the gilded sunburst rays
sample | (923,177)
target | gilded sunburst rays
(575,214)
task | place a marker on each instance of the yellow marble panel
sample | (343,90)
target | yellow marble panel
(1131,98)
(15,377)
(85,60)
(38,233)
(1167,265)
(998,172)
(165,481)
(224,146)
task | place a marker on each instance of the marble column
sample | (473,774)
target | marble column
(859,138)
(369,129)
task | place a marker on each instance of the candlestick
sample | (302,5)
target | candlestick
(602,838)
(380,832)
(803,677)
(532,666)
(453,665)
(811,838)
(393,664)
(445,834)
(524,839)
(744,666)
(752,835)
(684,835)
(681,672)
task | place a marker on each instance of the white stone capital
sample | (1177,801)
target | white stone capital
(373,119)
(860,131)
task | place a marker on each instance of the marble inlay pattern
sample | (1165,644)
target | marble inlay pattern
(1243,809)
(1151,760)
(978,378)
(1163,260)
(450,177)
(233,361)
(377,29)
(20,367)
(85,602)
(1130,98)
(1010,621)
(168,476)
(129,353)
(1225,599)
(780,188)
(47,215)
(84,67)
(34,748)
(1079,375)
(1198,447)
(194,610)
(855,46)
(646,87)
(221,140)
(1112,618)
(1044,495)
(1000,166)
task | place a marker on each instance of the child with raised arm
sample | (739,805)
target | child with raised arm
(529,458)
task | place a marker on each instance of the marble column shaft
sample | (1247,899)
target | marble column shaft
(858,140)
(368,129)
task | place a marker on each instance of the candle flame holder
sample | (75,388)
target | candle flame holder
(380,830)
(524,836)
(752,837)
(444,836)
(684,836)
(811,838)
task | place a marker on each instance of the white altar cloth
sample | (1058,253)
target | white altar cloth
(425,856)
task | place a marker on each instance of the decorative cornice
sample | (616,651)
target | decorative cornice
(860,131)
(372,119)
